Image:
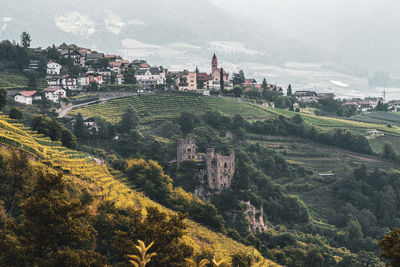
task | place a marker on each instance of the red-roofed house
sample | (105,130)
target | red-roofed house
(119,66)
(26,97)
(98,79)
(249,82)
(55,93)
(144,66)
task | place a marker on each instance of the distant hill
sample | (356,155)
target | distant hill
(160,31)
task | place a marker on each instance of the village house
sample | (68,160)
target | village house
(27,97)
(53,68)
(150,77)
(54,93)
(94,57)
(202,80)
(34,64)
(83,80)
(119,79)
(68,82)
(119,66)
(250,82)
(188,81)
(77,57)
(97,78)
(104,72)
(394,105)
(306,96)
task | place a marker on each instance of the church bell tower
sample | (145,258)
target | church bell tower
(214,63)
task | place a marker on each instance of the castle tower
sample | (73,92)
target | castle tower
(214,63)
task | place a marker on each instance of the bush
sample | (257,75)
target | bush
(16,114)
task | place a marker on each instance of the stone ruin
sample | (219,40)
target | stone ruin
(215,170)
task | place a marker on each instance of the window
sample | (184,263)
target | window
(189,150)
(225,165)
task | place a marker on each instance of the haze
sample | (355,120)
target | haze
(362,31)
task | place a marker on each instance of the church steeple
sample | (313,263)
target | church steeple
(214,63)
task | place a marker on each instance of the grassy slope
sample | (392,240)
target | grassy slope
(81,168)
(13,81)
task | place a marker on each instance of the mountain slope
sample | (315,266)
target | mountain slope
(84,169)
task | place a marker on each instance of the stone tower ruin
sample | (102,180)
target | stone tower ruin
(215,170)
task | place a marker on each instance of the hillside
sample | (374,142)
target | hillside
(85,170)
(165,106)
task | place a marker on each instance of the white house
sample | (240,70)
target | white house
(120,79)
(53,68)
(306,96)
(83,81)
(68,82)
(55,93)
(149,77)
(26,97)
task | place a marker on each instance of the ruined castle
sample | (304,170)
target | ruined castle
(215,170)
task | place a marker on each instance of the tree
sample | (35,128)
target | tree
(129,121)
(264,84)
(25,39)
(21,58)
(289,90)
(16,114)
(149,176)
(187,121)
(221,79)
(32,78)
(80,130)
(238,78)
(55,230)
(382,106)
(390,246)
(3,98)
(68,139)
(389,151)
(238,91)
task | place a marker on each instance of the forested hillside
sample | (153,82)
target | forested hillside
(103,207)
(319,180)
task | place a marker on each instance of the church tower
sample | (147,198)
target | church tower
(214,63)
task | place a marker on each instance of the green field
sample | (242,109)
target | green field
(156,107)
(12,81)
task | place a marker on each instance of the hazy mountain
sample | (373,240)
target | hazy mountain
(170,32)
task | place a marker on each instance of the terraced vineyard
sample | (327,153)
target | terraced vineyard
(164,106)
(84,169)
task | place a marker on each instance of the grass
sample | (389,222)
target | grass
(81,168)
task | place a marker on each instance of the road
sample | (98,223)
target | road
(63,112)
